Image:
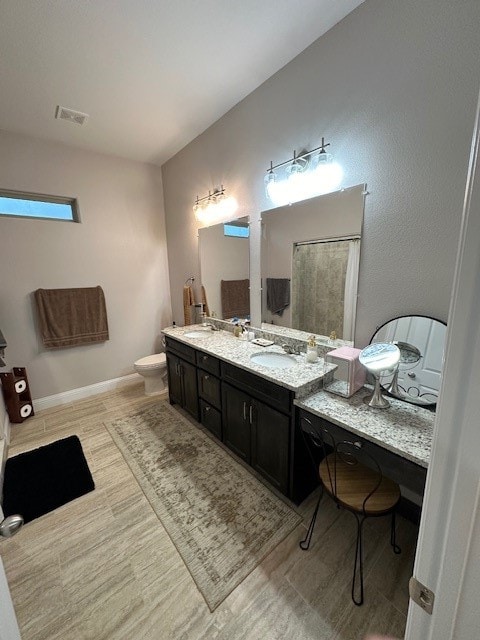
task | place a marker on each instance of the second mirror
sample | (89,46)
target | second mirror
(224,268)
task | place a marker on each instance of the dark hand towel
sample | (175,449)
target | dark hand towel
(278,295)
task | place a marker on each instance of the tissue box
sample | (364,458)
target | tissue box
(349,376)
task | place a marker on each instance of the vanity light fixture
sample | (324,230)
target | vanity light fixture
(215,207)
(312,173)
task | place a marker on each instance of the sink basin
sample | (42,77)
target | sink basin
(273,360)
(198,333)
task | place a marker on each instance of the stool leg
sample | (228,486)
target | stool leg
(393,540)
(358,565)
(305,543)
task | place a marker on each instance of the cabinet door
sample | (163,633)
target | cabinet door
(270,444)
(211,418)
(174,380)
(189,383)
(209,388)
(236,421)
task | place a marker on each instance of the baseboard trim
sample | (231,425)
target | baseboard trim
(66,397)
(5,433)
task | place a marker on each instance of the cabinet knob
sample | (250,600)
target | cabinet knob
(204,358)
(206,377)
(207,409)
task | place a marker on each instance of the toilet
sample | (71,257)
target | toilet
(154,370)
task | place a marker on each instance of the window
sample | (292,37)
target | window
(31,205)
(236,230)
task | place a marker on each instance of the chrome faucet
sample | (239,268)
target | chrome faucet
(209,324)
(289,348)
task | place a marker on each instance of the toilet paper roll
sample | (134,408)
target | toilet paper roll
(20,386)
(26,410)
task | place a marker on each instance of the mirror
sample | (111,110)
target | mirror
(421,341)
(379,357)
(310,254)
(224,267)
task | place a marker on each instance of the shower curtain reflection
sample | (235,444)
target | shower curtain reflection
(324,286)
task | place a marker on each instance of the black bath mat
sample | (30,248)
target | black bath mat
(41,480)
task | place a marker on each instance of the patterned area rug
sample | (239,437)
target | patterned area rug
(222,520)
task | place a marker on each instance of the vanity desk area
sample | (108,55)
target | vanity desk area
(256,411)
(399,438)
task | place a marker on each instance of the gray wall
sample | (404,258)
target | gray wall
(120,245)
(393,87)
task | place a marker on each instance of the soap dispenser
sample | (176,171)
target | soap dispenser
(312,351)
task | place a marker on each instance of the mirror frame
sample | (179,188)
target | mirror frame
(201,272)
(410,399)
(330,230)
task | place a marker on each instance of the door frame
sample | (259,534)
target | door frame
(449,537)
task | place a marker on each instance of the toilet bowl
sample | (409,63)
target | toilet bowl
(154,371)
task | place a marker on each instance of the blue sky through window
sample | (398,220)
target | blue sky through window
(36,208)
(236,231)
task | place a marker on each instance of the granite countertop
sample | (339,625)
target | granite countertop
(404,429)
(303,378)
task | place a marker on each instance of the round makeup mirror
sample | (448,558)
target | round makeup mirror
(378,358)
(421,341)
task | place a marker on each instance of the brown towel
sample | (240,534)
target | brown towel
(235,298)
(71,317)
(204,301)
(188,302)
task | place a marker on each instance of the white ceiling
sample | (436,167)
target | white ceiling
(151,74)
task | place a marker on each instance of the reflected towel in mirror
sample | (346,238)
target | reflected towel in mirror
(235,298)
(188,302)
(278,295)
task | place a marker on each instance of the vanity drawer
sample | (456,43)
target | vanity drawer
(182,350)
(405,472)
(271,393)
(209,388)
(211,418)
(209,363)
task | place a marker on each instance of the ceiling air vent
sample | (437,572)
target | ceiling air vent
(70,115)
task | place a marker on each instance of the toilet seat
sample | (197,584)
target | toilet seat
(151,362)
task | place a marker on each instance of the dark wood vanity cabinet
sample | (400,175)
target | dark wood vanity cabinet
(251,415)
(211,419)
(236,419)
(257,423)
(258,434)
(182,377)
(208,381)
(270,445)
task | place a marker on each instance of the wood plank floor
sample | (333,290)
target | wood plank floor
(103,566)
